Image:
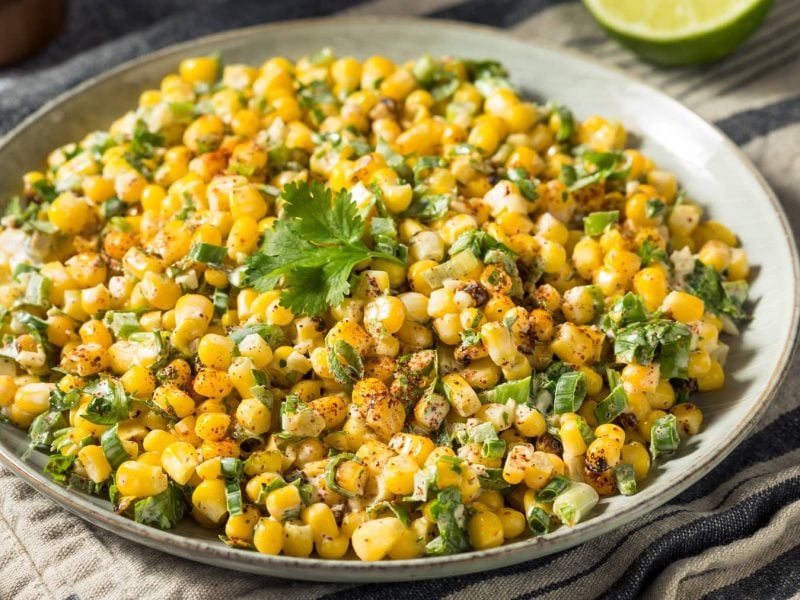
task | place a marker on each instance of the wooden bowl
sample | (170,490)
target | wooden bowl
(27,25)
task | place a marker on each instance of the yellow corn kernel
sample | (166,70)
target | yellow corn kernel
(95,463)
(573,345)
(140,480)
(202,69)
(640,378)
(69,213)
(173,400)
(320,518)
(485,530)
(212,426)
(663,397)
(636,455)
(689,416)
(529,421)
(284,503)
(612,431)
(373,540)
(713,379)
(399,475)
(157,439)
(209,501)
(179,460)
(602,454)
(699,363)
(572,439)
(683,307)
(715,254)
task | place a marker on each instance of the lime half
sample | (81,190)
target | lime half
(680,32)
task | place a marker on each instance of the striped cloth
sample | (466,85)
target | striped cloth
(734,534)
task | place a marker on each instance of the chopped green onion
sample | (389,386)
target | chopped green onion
(575,504)
(43,428)
(272,334)
(112,447)
(232,473)
(517,390)
(113,207)
(220,302)
(664,438)
(482,433)
(556,485)
(207,253)
(163,511)
(122,323)
(397,509)
(346,364)
(570,392)
(539,521)
(38,291)
(586,431)
(330,473)
(613,405)
(626,479)
(493,448)
(595,223)
(58,466)
(492,479)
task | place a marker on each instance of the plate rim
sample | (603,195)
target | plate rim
(205,551)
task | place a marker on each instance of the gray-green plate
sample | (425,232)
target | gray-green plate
(711,168)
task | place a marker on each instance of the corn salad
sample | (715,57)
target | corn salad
(340,308)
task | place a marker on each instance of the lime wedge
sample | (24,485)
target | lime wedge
(680,32)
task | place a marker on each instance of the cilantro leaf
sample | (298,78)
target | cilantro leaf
(642,342)
(705,283)
(451,521)
(312,249)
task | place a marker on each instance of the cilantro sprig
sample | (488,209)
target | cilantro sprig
(312,249)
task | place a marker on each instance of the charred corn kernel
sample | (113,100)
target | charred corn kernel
(602,454)
(95,463)
(713,379)
(373,540)
(689,416)
(254,416)
(137,479)
(636,455)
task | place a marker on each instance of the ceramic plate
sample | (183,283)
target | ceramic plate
(711,168)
